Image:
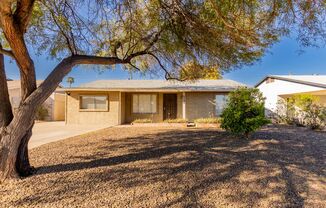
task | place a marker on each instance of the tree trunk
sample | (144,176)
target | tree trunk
(8,154)
(23,166)
(5,107)
(14,160)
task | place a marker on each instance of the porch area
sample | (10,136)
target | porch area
(161,106)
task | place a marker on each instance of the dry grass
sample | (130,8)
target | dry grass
(145,120)
(150,167)
(211,120)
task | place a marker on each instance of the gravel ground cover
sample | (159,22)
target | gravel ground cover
(176,167)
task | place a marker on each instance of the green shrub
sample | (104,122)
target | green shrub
(145,120)
(212,120)
(287,112)
(315,116)
(310,113)
(41,113)
(177,120)
(244,112)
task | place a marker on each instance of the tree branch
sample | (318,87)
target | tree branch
(7,52)
(6,114)
(68,42)
(61,70)
(23,13)
(133,55)
(13,31)
(168,75)
(65,66)
(134,66)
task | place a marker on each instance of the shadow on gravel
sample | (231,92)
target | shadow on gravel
(207,165)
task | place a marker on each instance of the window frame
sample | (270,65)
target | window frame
(216,104)
(132,103)
(107,108)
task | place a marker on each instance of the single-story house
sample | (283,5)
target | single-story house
(115,102)
(278,87)
(55,104)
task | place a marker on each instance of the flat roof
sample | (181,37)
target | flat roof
(159,85)
(15,84)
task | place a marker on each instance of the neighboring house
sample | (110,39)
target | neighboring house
(278,87)
(116,102)
(55,104)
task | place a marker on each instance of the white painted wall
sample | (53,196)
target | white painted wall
(272,90)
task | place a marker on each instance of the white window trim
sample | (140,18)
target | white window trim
(94,110)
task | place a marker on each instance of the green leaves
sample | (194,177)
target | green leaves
(193,71)
(222,33)
(306,110)
(244,112)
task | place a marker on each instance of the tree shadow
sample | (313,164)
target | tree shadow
(200,168)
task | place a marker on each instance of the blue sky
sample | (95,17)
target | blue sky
(282,59)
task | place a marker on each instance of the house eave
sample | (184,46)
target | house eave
(144,90)
(291,80)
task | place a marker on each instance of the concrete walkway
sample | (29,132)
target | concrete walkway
(46,132)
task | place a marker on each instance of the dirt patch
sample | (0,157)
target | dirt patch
(150,167)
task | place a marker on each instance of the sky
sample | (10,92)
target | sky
(284,58)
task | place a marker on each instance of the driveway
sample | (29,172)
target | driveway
(46,132)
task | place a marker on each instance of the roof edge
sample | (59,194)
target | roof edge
(76,89)
(291,80)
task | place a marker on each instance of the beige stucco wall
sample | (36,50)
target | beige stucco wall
(59,107)
(14,96)
(55,104)
(156,117)
(76,116)
(200,105)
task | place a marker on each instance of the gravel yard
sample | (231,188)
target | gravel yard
(165,167)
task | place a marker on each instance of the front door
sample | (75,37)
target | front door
(169,106)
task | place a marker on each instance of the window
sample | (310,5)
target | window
(144,103)
(94,102)
(220,103)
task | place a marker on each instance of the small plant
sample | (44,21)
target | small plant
(291,112)
(41,113)
(315,116)
(288,113)
(212,120)
(244,112)
(177,120)
(310,112)
(302,110)
(145,120)
(280,115)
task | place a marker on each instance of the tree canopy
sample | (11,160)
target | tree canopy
(169,34)
(147,36)
(194,71)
